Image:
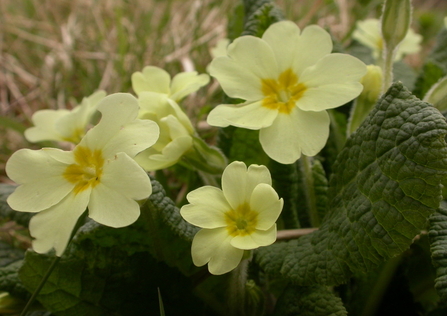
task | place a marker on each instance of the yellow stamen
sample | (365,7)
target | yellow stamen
(87,170)
(242,221)
(281,94)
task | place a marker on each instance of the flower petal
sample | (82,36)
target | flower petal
(40,176)
(256,239)
(249,60)
(112,202)
(45,126)
(247,115)
(265,201)
(213,246)
(295,133)
(207,208)
(52,228)
(151,79)
(300,50)
(118,130)
(186,83)
(234,184)
(257,174)
(151,160)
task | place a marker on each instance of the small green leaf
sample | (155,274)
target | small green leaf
(431,73)
(386,182)
(309,301)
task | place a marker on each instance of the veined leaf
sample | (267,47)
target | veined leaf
(314,300)
(439,52)
(438,246)
(386,182)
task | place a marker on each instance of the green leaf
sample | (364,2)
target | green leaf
(431,73)
(439,52)
(286,181)
(160,230)
(7,212)
(242,145)
(314,300)
(386,182)
(438,247)
(259,15)
(10,282)
(404,73)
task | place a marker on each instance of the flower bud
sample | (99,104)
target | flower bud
(396,19)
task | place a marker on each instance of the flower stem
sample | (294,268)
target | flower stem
(306,167)
(387,69)
(238,280)
(379,288)
(40,286)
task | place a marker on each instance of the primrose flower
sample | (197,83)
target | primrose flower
(288,79)
(221,48)
(176,132)
(99,173)
(64,125)
(368,33)
(157,80)
(239,217)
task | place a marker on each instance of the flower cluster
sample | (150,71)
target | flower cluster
(288,79)
(60,185)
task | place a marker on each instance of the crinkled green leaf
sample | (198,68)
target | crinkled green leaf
(160,230)
(320,187)
(314,300)
(9,254)
(7,212)
(259,15)
(242,145)
(10,282)
(438,246)
(286,181)
(431,73)
(386,182)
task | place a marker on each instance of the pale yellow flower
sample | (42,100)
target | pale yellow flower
(99,173)
(157,80)
(239,217)
(368,33)
(289,79)
(176,131)
(221,48)
(64,125)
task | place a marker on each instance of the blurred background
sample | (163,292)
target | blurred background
(55,52)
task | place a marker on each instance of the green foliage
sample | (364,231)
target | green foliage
(438,240)
(286,182)
(10,282)
(439,53)
(431,73)
(259,15)
(313,300)
(386,182)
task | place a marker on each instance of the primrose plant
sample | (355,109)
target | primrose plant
(317,175)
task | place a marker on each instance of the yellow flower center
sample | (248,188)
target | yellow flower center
(281,94)
(76,136)
(87,170)
(242,221)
